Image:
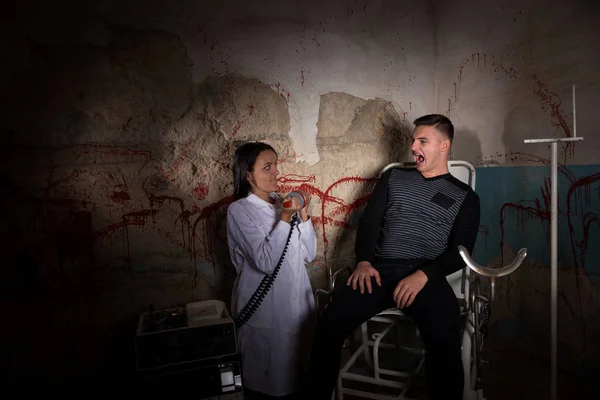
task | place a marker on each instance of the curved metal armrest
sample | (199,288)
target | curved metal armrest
(330,284)
(334,277)
(492,272)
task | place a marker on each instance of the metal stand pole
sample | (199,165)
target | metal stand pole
(554,245)
(554,269)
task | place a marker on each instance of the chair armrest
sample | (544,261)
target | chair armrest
(333,279)
(492,272)
(330,285)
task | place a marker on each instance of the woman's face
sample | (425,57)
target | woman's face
(263,178)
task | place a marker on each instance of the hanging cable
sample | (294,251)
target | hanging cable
(265,285)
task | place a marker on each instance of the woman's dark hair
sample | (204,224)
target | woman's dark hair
(245,158)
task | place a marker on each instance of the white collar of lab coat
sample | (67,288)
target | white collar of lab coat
(254,199)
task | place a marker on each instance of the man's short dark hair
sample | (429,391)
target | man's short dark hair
(440,122)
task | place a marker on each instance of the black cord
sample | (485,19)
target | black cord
(265,285)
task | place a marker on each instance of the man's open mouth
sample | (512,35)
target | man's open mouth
(419,159)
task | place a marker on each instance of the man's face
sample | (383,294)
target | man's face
(430,149)
(263,178)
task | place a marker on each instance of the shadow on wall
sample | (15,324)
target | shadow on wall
(114,196)
(392,147)
(88,122)
(137,190)
(517,125)
(466,146)
(356,139)
(520,124)
(82,127)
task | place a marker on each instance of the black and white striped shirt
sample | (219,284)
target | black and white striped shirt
(418,221)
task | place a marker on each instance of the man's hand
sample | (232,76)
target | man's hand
(362,274)
(408,288)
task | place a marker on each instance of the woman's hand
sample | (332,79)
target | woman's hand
(304,210)
(293,206)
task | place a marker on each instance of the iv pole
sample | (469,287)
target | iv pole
(553,242)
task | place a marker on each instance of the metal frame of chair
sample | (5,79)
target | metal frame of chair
(475,307)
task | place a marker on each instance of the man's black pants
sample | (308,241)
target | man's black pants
(435,311)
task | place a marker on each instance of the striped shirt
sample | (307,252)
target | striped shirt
(417,221)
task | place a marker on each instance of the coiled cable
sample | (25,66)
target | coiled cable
(265,285)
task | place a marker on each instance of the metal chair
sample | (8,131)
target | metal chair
(475,308)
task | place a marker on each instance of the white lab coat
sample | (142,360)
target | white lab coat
(274,343)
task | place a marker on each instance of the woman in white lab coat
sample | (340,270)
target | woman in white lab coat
(274,342)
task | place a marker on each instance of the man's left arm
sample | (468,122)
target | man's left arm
(464,232)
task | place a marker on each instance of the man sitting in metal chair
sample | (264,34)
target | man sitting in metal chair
(406,245)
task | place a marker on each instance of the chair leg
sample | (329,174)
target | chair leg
(471,355)
(467,346)
(365,340)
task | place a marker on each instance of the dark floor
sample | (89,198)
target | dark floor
(513,375)
(42,354)
(508,373)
